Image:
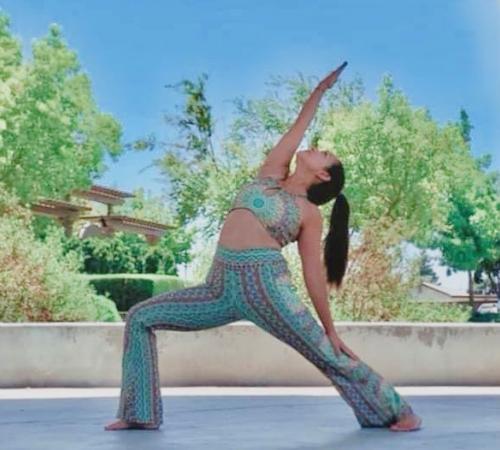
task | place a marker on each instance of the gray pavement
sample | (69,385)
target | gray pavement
(246,418)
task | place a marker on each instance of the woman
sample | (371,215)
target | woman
(249,279)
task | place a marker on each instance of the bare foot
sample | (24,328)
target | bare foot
(411,422)
(122,425)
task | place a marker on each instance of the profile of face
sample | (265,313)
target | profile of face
(316,161)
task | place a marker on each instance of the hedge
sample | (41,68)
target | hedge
(127,289)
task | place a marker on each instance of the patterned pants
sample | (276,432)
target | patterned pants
(252,284)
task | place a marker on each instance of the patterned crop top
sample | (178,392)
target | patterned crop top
(275,207)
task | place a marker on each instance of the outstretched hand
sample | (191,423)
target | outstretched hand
(331,78)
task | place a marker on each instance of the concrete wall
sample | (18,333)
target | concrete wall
(239,354)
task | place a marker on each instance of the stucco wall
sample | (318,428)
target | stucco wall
(238,354)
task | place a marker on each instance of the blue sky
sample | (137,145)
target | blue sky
(443,54)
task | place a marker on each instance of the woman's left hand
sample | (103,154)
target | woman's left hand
(339,345)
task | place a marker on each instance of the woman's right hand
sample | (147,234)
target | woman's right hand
(339,345)
(332,77)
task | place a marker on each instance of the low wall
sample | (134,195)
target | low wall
(84,354)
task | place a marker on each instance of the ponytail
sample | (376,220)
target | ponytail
(336,244)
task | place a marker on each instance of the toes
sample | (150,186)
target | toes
(116,426)
(407,427)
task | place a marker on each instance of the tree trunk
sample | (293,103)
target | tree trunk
(471,289)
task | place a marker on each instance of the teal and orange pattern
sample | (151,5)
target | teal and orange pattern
(252,284)
(275,207)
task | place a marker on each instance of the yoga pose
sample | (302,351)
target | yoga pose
(249,279)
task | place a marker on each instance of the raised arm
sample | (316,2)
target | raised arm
(277,162)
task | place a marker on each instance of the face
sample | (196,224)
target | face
(316,160)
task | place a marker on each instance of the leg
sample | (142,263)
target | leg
(271,302)
(193,308)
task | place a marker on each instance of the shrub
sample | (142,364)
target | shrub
(413,311)
(106,309)
(485,317)
(37,282)
(125,290)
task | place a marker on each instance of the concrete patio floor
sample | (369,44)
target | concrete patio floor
(239,418)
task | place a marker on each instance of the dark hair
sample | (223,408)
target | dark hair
(336,243)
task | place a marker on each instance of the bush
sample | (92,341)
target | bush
(106,309)
(413,311)
(486,317)
(373,289)
(125,290)
(37,282)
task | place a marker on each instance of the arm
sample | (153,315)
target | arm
(309,246)
(278,160)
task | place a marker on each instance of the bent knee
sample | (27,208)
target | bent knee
(136,313)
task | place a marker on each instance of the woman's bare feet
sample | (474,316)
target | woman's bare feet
(411,422)
(122,425)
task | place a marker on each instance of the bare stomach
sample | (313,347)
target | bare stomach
(242,229)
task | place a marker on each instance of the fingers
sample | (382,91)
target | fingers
(338,70)
(350,352)
(339,347)
(331,78)
(342,66)
(336,348)
(342,348)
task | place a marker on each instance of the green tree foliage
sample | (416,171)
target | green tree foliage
(400,168)
(471,239)
(187,162)
(203,176)
(52,135)
(399,162)
(401,165)
(201,179)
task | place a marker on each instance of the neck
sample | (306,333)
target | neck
(297,183)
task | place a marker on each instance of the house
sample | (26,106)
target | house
(429,292)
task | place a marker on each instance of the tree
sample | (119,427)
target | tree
(52,135)
(471,238)
(201,176)
(426,270)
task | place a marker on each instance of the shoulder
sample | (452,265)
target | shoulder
(313,213)
(311,230)
(311,216)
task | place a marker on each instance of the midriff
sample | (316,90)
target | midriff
(241,229)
